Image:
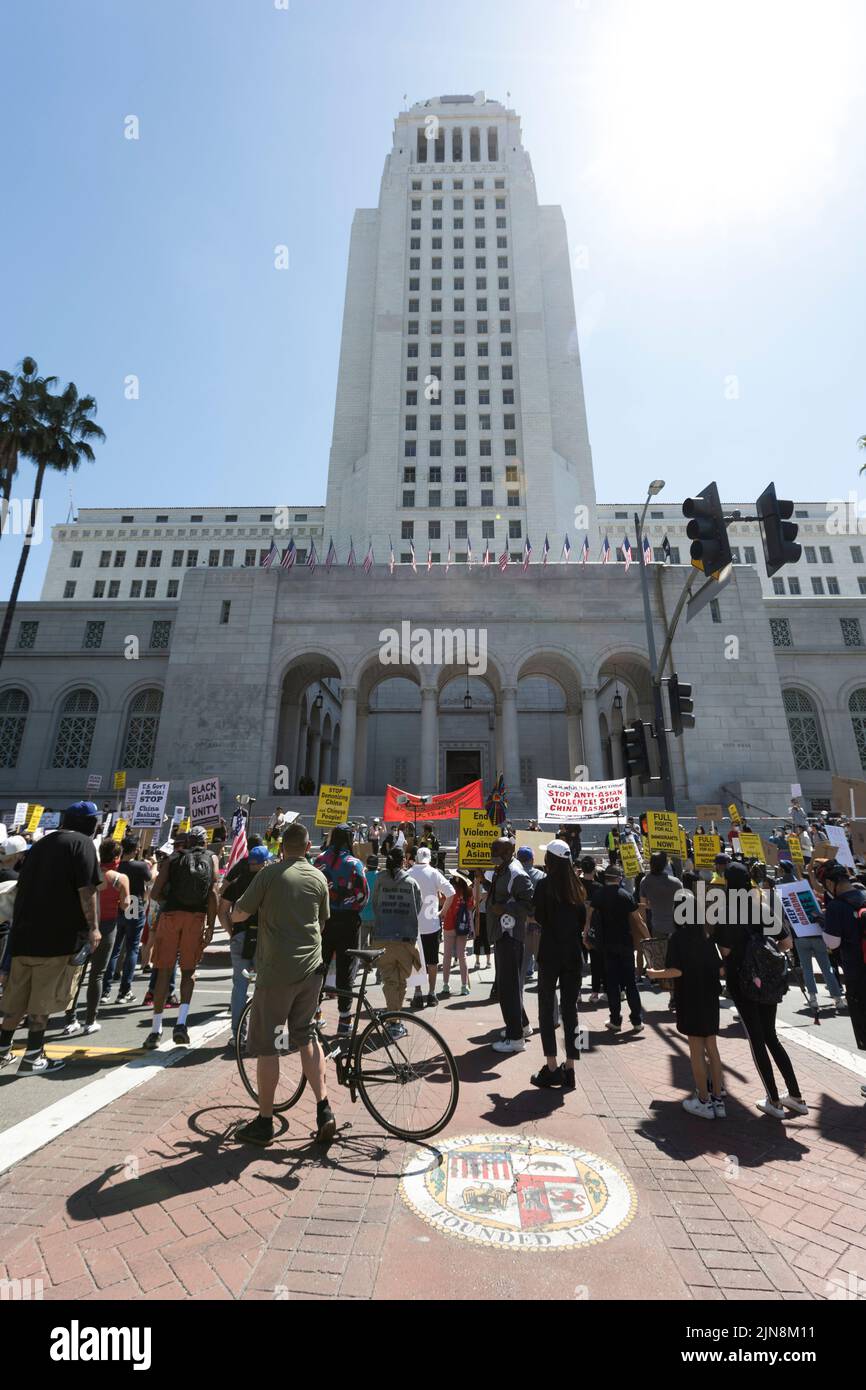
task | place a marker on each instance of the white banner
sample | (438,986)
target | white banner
(204,801)
(150,805)
(569,802)
(20,817)
(94,781)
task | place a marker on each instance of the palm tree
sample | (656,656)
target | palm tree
(22,399)
(862,444)
(60,441)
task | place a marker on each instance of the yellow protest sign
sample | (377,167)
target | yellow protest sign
(333,806)
(796,850)
(706,849)
(750,845)
(735,815)
(119,781)
(645,847)
(185,824)
(34,816)
(664,831)
(630,859)
(684,849)
(477,837)
(118,830)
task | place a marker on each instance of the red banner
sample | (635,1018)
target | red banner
(400,805)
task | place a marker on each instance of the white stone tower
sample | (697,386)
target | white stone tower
(460,412)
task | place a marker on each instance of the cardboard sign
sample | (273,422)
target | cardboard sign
(119,830)
(796,850)
(840,799)
(837,837)
(563,803)
(20,816)
(204,801)
(476,838)
(706,849)
(630,859)
(858,838)
(119,781)
(333,805)
(771,853)
(750,845)
(735,815)
(664,831)
(150,805)
(34,816)
(708,813)
(534,840)
(94,781)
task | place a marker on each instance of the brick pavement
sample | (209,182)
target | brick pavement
(150,1198)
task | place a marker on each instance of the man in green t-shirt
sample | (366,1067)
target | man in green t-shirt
(291,899)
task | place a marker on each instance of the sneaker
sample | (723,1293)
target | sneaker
(106,998)
(567,1081)
(344,1026)
(152,1042)
(39,1066)
(704,1109)
(259,1131)
(396,1030)
(863,1091)
(72,1029)
(593,998)
(93,1027)
(613,1027)
(530,977)
(6,1059)
(127,998)
(769,1107)
(327,1125)
(718,1104)
(637,1027)
(527,1033)
(445,992)
(545,1078)
(181,1035)
(431,1001)
(509,1045)
(172,1002)
(465,989)
(795,1103)
(148,999)
(812,1001)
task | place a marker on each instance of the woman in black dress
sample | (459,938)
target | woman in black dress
(693,963)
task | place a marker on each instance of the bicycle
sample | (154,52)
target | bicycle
(398,1058)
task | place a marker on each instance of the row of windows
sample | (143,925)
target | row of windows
(430,145)
(76,727)
(807,740)
(852,632)
(457,184)
(817,585)
(461,530)
(94,632)
(196,517)
(457,263)
(482,326)
(434,474)
(437,204)
(138,588)
(437,396)
(179,559)
(459,284)
(482,349)
(434,498)
(434,422)
(434,381)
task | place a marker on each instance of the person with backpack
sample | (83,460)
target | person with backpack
(845,927)
(186,890)
(457,930)
(755,974)
(347,893)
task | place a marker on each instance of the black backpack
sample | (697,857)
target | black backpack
(764,971)
(190,877)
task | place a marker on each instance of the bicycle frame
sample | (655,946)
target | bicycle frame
(341,1051)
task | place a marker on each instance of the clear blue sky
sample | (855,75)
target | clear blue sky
(709,158)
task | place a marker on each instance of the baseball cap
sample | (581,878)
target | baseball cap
(260,855)
(422,856)
(613,873)
(197,836)
(525,852)
(82,808)
(13,846)
(558,848)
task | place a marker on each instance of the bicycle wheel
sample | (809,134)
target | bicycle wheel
(409,1084)
(292,1080)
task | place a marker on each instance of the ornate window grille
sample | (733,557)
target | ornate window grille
(806,741)
(76,729)
(14,707)
(142,727)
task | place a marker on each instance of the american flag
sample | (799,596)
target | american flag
(414,561)
(584,550)
(331,556)
(312,558)
(268,560)
(527,554)
(468,552)
(626,552)
(350,562)
(239,847)
(545,551)
(666,550)
(503,561)
(448,560)
(369,560)
(486,561)
(566,551)
(605,551)
(647,551)
(429,558)
(289,557)
(391,561)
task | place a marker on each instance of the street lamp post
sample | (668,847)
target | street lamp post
(655,675)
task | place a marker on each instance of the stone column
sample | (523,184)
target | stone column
(429,741)
(362,726)
(315,755)
(616,751)
(348,723)
(301,755)
(592,735)
(510,741)
(575,747)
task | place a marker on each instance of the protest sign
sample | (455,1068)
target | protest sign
(50,820)
(534,840)
(858,837)
(800,907)
(706,849)
(735,815)
(119,781)
(771,853)
(333,805)
(119,830)
(849,797)
(94,781)
(796,850)
(664,831)
(129,795)
(563,803)
(630,859)
(750,845)
(476,839)
(204,801)
(34,816)
(150,805)
(836,835)
(20,816)
(708,813)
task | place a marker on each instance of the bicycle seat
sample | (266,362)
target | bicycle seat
(366,955)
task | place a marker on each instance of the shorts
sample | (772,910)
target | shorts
(430,946)
(276,1005)
(40,985)
(178,932)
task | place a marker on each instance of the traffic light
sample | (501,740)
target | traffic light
(682,705)
(779,534)
(636,750)
(710,550)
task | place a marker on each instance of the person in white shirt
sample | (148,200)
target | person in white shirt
(436,891)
